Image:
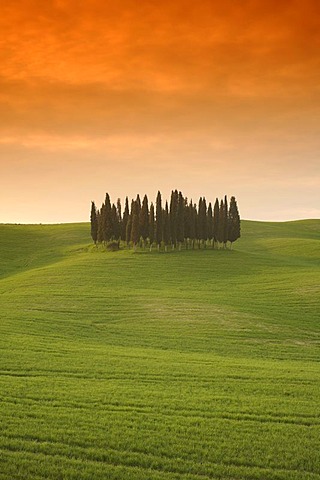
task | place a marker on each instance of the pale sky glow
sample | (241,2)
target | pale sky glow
(211,99)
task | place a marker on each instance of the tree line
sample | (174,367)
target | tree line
(177,223)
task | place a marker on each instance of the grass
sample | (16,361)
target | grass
(186,366)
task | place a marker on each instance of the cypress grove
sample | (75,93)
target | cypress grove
(180,223)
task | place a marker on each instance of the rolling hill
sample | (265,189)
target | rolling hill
(187,365)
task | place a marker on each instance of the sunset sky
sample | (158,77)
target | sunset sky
(210,97)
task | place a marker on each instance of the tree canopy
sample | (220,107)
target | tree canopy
(179,223)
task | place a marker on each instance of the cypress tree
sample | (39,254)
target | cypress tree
(174,216)
(225,222)
(187,222)
(135,233)
(192,215)
(138,204)
(210,223)
(115,223)
(202,220)
(144,219)
(220,235)
(107,219)
(101,227)
(119,211)
(166,226)
(234,222)
(151,225)
(94,223)
(216,217)
(128,230)
(198,222)
(130,220)
(180,219)
(159,225)
(195,213)
(125,220)
(100,231)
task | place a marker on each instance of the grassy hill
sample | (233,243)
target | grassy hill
(187,365)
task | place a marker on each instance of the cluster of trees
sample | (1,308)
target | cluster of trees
(181,222)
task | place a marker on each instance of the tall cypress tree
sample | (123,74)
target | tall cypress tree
(193,221)
(138,204)
(133,211)
(115,223)
(220,236)
(125,220)
(180,219)
(135,233)
(144,219)
(187,222)
(234,222)
(94,223)
(210,223)
(166,226)
(225,222)
(159,226)
(128,230)
(119,212)
(100,232)
(107,219)
(202,220)
(216,216)
(199,223)
(174,216)
(101,227)
(196,223)
(151,225)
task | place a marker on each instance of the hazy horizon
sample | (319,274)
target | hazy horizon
(212,99)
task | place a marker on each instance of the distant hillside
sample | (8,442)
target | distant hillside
(29,246)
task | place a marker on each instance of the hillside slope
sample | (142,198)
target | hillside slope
(186,365)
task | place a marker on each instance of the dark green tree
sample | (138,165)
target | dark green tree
(115,223)
(128,230)
(180,220)
(100,229)
(151,225)
(193,223)
(94,223)
(202,220)
(220,236)
(210,223)
(119,212)
(125,219)
(225,222)
(135,232)
(102,221)
(216,216)
(166,226)
(187,222)
(174,216)
(144,220)
(234,227)
(107,220)
(159,225)
(138,204)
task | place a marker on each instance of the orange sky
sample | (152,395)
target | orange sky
(132,96)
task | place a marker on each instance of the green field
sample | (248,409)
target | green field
(187,365)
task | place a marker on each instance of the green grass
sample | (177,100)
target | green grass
(188,365)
